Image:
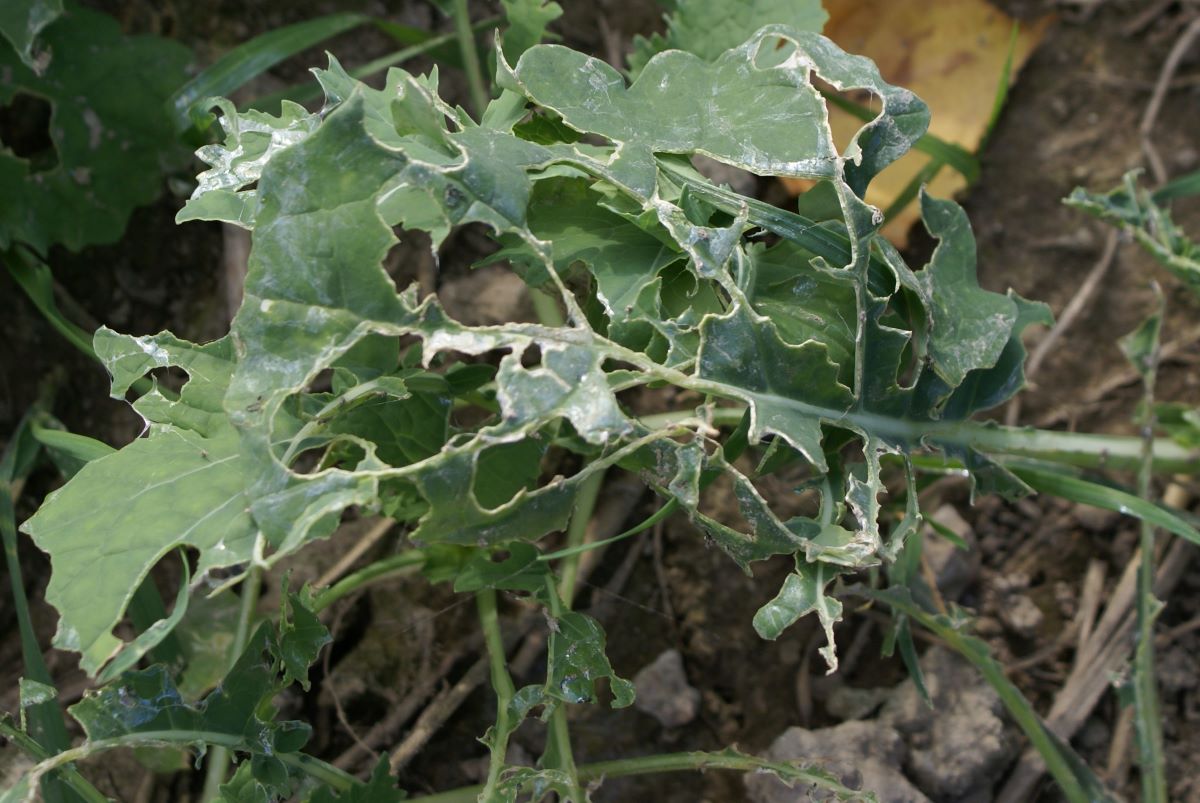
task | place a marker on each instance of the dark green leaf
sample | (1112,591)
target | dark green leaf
(109,132)
(20,23)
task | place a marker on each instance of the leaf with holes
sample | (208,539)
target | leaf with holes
(102,157)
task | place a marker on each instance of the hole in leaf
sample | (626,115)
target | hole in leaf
(531,357)
(849,111)
(740,181)
(412,260)
(25,130)
(170,377)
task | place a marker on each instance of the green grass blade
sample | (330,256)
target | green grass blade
(441,47)
(1002,85)
(925,175)
(1077,782)
(69,451)
(251,59)
(1141,348)
(1092,493)
(46,723)
(35,279)
(953,155)
(1181,187)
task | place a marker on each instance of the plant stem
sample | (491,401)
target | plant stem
(560,729)
(218,757)
(1071,448)
(68,774)
(394,566)
(314,767)
(470,56)
(667,762)
(1148,723)
(585,504)
(502,684)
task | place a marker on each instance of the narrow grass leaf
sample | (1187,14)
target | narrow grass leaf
(250,59)
(1086,492)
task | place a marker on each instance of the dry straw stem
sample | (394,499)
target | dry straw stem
(1108,649)
(1146,127)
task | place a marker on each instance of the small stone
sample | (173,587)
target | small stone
(953,567)
(863,754)
(1021,615)
(959,746)
(846,702)
(663,691)
(1185,158)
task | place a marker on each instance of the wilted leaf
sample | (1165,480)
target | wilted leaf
(660,284)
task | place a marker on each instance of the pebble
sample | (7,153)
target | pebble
(663,691)
(954,568)
(865,755)
(962,744)
(1021,616)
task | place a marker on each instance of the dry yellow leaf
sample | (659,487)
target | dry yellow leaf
(952,55)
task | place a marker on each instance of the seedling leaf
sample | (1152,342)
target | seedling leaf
(1138,212)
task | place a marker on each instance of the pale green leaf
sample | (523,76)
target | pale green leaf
(181,485)
(527,21)
(803,592)
(960,343)
(708,28)
(175,488)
